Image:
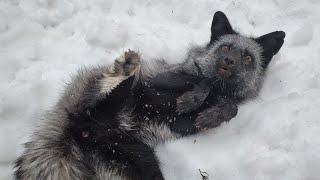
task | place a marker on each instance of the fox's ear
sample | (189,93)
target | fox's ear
(220,26)
(271,44)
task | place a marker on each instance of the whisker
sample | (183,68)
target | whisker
(216,81)
(223,85)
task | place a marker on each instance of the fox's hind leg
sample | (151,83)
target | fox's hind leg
(59,148)
(105,96)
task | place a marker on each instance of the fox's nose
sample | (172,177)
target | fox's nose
(228,61)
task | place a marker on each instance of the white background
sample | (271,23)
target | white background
(43,42)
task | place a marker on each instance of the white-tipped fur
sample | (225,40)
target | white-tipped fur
(148,69)
(107,173)
(48,155)
(126,119)
(156,133)
(108,83)
(44,159)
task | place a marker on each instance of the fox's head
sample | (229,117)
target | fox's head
(237,59)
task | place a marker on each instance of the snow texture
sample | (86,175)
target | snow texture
(277,136)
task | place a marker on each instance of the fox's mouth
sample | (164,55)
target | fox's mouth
(224,72)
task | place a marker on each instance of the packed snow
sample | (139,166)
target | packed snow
(277,136)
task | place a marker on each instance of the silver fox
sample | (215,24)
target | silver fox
(110,118)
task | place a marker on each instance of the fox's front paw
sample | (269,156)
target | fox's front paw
(214,116)
(186,103)
(127,64)
(192,100)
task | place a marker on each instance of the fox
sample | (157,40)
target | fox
(110,118)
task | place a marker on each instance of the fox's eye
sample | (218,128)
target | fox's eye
(225,49)
(247,59)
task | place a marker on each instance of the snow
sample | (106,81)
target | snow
(42,42)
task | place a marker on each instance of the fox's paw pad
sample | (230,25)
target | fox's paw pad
(127,64)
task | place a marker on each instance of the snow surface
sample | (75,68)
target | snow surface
(42,42)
